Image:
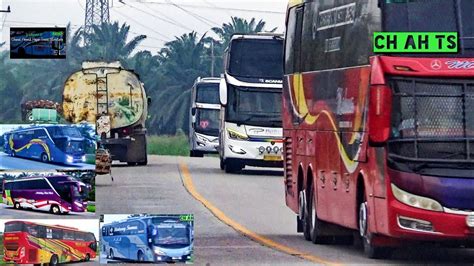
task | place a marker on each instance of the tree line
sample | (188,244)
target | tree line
(168,73)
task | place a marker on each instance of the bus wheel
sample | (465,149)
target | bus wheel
(44,157)
(17,205)
(140,256)
(312,225)
(53,261)
(370,250)
(88,257)
(13,154)
(111,254)
(55,209)
(221,163)
(232,167)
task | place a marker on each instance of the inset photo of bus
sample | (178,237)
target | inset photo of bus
(145,238)
(49,242)
(43,147)
(40,195)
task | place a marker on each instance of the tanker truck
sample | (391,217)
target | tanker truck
(115,99)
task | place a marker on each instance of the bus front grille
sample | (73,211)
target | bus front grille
(11,246)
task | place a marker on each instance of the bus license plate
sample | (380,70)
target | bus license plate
(272,158)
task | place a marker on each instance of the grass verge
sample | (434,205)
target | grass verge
(168,145)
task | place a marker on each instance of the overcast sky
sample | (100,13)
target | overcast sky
(160,20)
(88,225)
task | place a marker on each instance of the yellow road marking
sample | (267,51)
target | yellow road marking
(188,184)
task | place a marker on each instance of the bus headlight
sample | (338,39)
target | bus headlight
(237,135)
(159,252)
(69,159)
(416,201)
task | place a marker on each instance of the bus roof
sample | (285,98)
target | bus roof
(33,127)
(145,217)
(260,36)
(33,178)
(49,225)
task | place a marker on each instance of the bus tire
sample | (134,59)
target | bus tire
(312,226)
(145,162)
(221,163)
(88,257)
(111,254)
(44,157)
(54,260)
(140,256)
(233,167)
(17,206)
(55,209)
(13,154)
(371,251)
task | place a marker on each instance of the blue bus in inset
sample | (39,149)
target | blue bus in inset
(160,238)
(49,144)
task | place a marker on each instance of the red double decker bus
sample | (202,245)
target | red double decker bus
(32,243)
(380,145)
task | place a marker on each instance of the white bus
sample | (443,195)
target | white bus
(204,117)
(250,96)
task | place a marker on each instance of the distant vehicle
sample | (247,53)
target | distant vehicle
(149,239)
(56,194)
(380,145)
(250,96)
(204,117)
(50,144)
(32,243)
(115,98)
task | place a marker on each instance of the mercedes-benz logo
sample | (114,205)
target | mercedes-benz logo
(436,64)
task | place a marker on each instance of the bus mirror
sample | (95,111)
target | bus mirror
(223,92)
(380,108)
(149,101)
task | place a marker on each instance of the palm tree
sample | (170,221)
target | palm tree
(182,61)
(108,42)
(239,25)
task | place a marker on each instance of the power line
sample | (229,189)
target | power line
(145,26)
(222,8)
(198,17)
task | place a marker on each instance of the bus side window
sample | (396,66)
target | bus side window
(41,231)
(57,233)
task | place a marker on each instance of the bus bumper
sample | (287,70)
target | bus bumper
(410,223)
(254,153)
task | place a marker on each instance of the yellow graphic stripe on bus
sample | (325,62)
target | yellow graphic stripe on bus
(360,107)
(310,119)
(64,252)
(28,145)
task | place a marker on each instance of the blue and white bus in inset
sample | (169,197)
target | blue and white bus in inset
(48,143)
(155,238)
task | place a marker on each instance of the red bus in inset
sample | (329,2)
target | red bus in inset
(32,243)
(380,145)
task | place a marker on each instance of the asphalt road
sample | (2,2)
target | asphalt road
(15,163)
(253,199)
(8,212)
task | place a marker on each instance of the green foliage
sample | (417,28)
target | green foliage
(177,145)
(168,74)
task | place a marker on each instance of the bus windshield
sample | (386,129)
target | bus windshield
(257,107)
(445,16)
(14,227)
(256,58)
(207,93)
(62,139)
(207,121)
(171,235)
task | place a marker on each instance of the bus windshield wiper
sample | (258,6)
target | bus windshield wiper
(426,164)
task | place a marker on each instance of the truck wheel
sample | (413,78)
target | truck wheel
(145,162)
(44,157)
(53,261)
(370,250)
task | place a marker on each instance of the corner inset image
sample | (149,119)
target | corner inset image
(140,238)
(47,146)
(45,241)
(36,194)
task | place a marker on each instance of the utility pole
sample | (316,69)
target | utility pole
(97,12)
